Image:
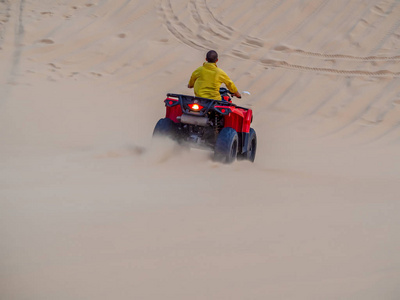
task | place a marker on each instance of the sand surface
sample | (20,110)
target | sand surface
(92,208)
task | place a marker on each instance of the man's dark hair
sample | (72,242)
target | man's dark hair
(212,56)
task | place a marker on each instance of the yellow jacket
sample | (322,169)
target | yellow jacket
(207,80)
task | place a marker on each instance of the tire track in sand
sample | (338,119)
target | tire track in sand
(18,40)
(285,49)
(345,74)
(177,28)
(204,17)
(206,21)
(360,60)
(15,31)
(284,64)
(5,14)
(366,108)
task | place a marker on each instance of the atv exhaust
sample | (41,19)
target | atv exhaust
(193,120)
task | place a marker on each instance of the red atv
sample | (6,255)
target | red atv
(219,125)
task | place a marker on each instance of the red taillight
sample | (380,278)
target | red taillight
(195,106)
(223,110)
(171,102)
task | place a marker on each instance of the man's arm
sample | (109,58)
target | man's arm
(230,85)
(192,79)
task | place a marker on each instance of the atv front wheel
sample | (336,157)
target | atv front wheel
(165,127)
(226,146)
(251,151)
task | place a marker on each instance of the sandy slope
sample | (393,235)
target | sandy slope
(92,208)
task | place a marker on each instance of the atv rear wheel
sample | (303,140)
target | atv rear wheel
(165,127)
(226,146)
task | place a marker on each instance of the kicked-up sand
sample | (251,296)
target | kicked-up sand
(92,208)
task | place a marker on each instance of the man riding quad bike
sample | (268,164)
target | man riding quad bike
(219,125)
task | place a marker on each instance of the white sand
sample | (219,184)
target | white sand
(92,208)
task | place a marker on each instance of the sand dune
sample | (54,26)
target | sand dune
(92,208)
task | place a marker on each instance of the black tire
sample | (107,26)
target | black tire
(251,151)
(165,127)
(226,146)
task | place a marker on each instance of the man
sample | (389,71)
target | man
(208,78)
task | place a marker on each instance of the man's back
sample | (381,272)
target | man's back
(208,78)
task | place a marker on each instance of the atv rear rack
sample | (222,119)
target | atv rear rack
(182,97)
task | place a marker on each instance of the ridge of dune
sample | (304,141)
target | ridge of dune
(92,208)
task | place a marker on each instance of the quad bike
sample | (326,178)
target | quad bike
(205,123)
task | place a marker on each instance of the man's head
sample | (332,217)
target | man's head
(212,56)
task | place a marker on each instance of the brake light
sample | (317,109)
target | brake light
(195,106)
